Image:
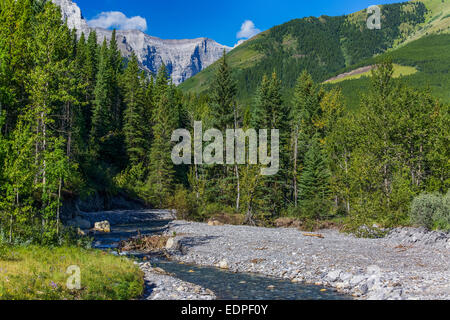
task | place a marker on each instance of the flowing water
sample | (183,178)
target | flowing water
(226,285)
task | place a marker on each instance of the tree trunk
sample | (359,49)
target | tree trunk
(295,167)
(58,209)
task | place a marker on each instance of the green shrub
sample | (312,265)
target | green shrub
(4,251)
(441,218)
(185,203)
(431,211)
(214,209)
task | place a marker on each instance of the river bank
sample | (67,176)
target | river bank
(407,264)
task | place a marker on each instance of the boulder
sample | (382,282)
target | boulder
(173,244)
(333,276)
(103,226)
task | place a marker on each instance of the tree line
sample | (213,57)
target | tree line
(78,118)
(75,118)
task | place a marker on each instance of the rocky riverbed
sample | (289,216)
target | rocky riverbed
(163,286)
(407,264)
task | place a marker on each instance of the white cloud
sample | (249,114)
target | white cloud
(118,20)
(248,30)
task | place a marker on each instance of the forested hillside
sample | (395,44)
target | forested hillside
(76,118)
(430,56)
(323,46)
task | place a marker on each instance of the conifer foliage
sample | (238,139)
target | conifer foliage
(76,117)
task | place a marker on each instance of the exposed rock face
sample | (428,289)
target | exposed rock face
(183,58)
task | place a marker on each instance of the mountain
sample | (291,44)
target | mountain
(328,46)
(183,58)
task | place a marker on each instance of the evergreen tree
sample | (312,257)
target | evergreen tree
(304,107)
(106,140)
(270,113)
(223,97)
(136,121)
(223,180)
(161,177)
(314,183)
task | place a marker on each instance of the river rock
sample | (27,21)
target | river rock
(102,226)
(173,244)
(223,264)
(333,276)
(357,280)
(214,222)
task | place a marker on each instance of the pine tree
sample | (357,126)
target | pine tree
(314,183)
(270,113)
(161,176)
(116,65)
(223,97)
(49,88)
(223,180)
(102,119)
(136,121)
(305,108)
(16,59)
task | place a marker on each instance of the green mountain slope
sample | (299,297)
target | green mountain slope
(326,45)
(430,56)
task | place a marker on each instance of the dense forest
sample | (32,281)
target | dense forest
(77,118)
(430,55)
(323,46)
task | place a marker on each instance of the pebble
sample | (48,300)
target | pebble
(389,268)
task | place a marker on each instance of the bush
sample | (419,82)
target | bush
(185,203)
(431,211)
(441,219)
(216,209)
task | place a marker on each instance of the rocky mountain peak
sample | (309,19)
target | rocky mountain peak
(183,58)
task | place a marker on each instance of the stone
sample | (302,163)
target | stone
(173,244)
(223,264)
(102,226)
(357,280)
(214,223)
(340,285)
(333,276)
(363,289)
(346,276)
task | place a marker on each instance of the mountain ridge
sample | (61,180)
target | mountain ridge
(183,58)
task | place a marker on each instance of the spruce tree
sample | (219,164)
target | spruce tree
(305,108)
(314,183)
(102,122)
(270,113)
(223,97)
(161,177)
(136,121)
(223,180)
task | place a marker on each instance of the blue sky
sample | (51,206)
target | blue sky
(219,20)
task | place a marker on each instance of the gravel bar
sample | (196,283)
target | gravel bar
(407,264)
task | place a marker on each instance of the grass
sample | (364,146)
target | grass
(399,71)
(39,273)
(430,56)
